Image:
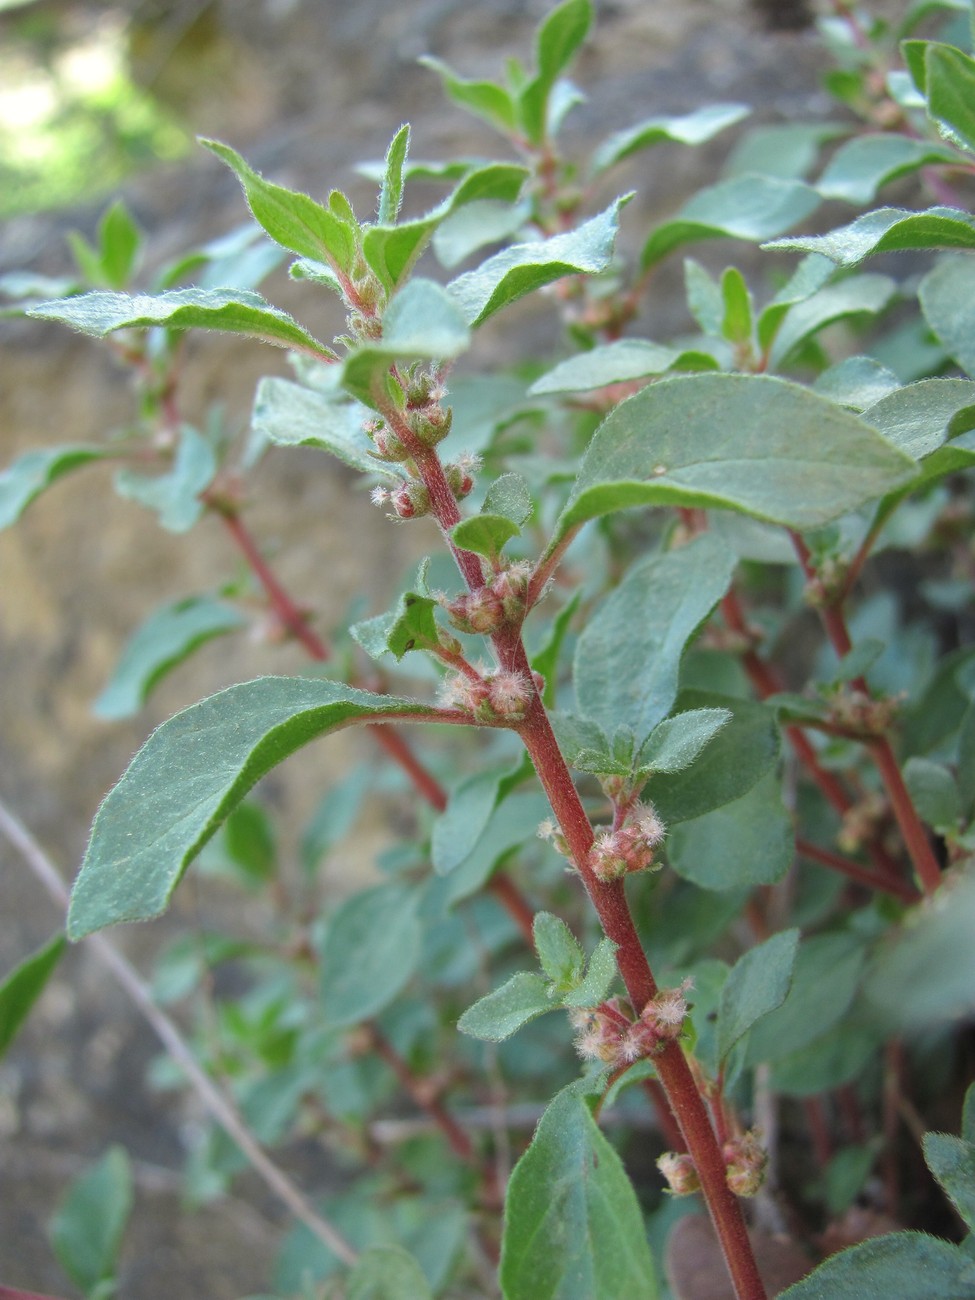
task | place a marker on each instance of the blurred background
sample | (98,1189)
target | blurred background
(99,100)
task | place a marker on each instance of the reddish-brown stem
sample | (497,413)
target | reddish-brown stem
(286,611)
(862,875)
(911,827)
(427,1101)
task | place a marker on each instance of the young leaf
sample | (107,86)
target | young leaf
(29,475)
(372,946)
(739,844)
(484,99)
(522,268)
(409,625)
(236,311)
(559,36)
(461,824)
(736,758)
(391,193)
(676,742)
(510,496)
(950,78)
(617,362)
(888,1268)
(888,230)
(628,657)
(947,295)
(746,207)
(164,639)
(498,1015)
(119,240)
(857,382)
(859,294)
(763,446)
(952,1161)
(188,776)
(485,534)
(696,127)
(290,415)
(24,985)
(175,496)
(600,973)
(475,225)
(559,952)
(866,163)
(86,1232)
(387,1273)
(293,220)
(736,323)
(922,417)
(756,984)
(422,323)
(573,1227)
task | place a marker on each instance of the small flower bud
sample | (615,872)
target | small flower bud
(460,475)
(387,446)
(679,1170)
(746,1160)
(547,830)
(479,612)
(631,848)
(665,1013)
(431,424)
(408,501)
(510,694)
(458,691)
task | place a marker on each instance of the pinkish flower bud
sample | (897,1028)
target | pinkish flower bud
(410,500)
(431,424)
(387,446)
(746,1160)
(510,694)
(458,691)
(665,1013)
(679,1170)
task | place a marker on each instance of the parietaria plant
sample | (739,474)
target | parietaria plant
(683,870)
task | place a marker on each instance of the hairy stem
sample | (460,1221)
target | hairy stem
(221,1108)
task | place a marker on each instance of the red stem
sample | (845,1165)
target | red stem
(427,1101)
(863,875)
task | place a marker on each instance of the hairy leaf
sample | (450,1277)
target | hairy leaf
(866,163)
(615,363)
(676,742)
(176,496)
(952,1161)
(501,1013)
(888,230)
(290,415)
(756,984)
(888,1268)
(24,985)
(741,843)
(372,946)
(947,296)
(573,1227)
(29,475)
(188,776)
(921,417)
(763,446)
(696,127)
(391,193)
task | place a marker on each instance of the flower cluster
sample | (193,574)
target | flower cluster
(606,1033)
(680,1172)
(746,1159)
(496,697)
(410,500)
(489,607)
(615,853)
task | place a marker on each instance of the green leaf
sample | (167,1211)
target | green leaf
(188,776)
(573,1227)
(857,382)
(234,311)
(863,165)
(290,415)
(808,277)
(29,475)
(372,946)
(736,323)
(676,742)
(787,151)
(485,534)
(292,219)
(485,221)
(391,193)
(462,823)
(422,323)
(119,239)
(968,1115)
(558,38)
(946,297)
(950,87)
(688,128)
(387,1273)
(175,496)
(628,656)
(559,953)
(763,446)
(501,1013)
(825,981)
(244,846)
(392,251)
(409,625)
(888,1268)
(952,1161)
(615,363)
(756,984)
(484,99)
(861,294)
(888,230)
(600,974)
(730,765)
(752,208)
(522,268)
(86,1231)
(933,792)
(509,495)
(24,985)
(921,417)
(739,844)
(168,636)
